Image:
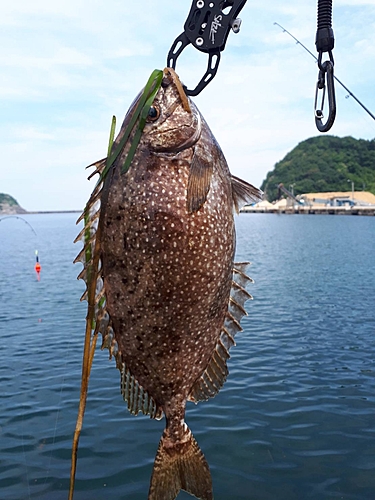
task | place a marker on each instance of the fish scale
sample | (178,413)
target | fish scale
(159,240)
(169,269)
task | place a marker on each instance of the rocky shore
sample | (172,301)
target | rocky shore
(9,206)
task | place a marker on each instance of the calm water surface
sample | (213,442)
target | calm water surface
(295,420)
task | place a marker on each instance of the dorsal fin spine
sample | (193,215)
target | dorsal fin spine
(238,306)
(233,320)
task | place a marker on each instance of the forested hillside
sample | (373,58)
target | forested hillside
(9,205)
(324,163)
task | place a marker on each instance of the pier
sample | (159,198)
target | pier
(313,210)
(330,203)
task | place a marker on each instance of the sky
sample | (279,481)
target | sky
(68,66)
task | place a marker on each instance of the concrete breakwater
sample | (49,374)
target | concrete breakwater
(313,210)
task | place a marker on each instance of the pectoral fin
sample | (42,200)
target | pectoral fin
(244,193)
(199,181)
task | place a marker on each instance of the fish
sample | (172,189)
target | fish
(162,286)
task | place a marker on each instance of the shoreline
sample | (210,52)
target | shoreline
(32,212)
(368,211)
(312,210)
(54,212)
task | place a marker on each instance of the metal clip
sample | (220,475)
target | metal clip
(325,70)
(207,28)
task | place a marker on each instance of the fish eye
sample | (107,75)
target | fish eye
(153,114)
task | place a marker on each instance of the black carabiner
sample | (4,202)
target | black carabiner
(326,70)
(325,42)
(212,66)
(207,28)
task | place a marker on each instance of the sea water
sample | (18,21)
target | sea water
(294,421)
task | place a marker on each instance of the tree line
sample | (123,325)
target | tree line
(322,164)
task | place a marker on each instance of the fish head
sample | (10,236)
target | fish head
(173,123)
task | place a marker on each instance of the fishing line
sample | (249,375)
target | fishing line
(334,76)
(59,405)
(23,413)
(20,218)
(37,266)
(24,457)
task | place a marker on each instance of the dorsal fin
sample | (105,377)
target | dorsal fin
(137,398)
(99,167)
(214,376)
(89,256)
(243,193)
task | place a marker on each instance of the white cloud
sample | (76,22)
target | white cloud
(69,65)
(61,56)
(355,3)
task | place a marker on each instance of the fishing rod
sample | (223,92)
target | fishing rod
(334,76)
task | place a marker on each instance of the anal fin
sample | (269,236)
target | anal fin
(137,398)
(132,391)
(214,376)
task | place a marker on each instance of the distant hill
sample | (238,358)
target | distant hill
(8,205)
(324,163)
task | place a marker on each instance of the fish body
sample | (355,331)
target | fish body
(168,297)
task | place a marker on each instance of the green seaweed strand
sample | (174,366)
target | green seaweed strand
(148,95)
(111,135)
(88,253)
(153,90)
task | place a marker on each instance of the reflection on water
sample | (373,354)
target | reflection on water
(295,419)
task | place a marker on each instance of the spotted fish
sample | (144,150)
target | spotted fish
(159,243)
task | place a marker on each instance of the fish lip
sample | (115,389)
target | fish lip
(193,139)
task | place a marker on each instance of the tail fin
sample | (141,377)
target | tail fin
(180,466)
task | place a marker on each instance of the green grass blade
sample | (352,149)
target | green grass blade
(111,135)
